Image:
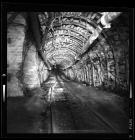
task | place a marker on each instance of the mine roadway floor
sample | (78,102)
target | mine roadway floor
(63,116)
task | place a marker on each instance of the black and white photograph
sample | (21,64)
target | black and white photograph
(68,72)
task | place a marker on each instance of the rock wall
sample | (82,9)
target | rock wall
(34,70)
(106,65)
(15,41)
(118,36)
(24,67)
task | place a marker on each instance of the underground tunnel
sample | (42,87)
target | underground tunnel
(67,72)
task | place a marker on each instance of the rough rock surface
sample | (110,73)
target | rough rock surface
(15,41)
(34,69)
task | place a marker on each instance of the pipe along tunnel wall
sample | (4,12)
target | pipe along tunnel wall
(70,102)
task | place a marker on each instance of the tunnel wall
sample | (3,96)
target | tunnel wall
(15,40)
(119,40)
(25,69)
(108,60)
(34,70)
